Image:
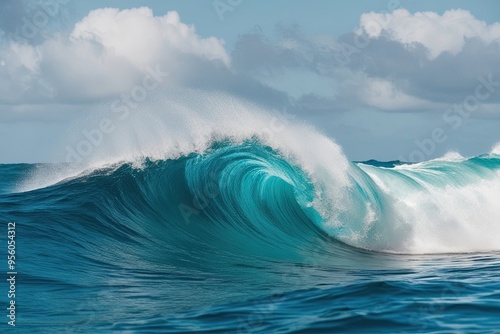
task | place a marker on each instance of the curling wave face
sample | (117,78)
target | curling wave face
(237,172)
(248,199)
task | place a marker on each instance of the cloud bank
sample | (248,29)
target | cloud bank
(438,33)
(394,61)
(105,54)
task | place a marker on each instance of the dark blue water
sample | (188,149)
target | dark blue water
(240,239)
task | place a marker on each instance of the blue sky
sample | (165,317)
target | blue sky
(388,80)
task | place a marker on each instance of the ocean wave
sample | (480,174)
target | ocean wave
(251,199)
(238,178)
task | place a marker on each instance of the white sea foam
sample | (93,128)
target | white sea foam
(496,149)
(408,209)
(188,121)
(431,211)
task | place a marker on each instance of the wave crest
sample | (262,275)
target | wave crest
(281,186)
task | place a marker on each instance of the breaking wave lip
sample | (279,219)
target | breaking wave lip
(283,184)
(496,149)
(247,194)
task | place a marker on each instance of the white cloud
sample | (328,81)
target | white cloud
(24,55)
(105,54)
(438,33)
(140,36)
(385,95)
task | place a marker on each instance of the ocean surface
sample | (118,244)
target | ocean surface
(243,237)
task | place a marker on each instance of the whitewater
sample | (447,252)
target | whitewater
(262,217)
